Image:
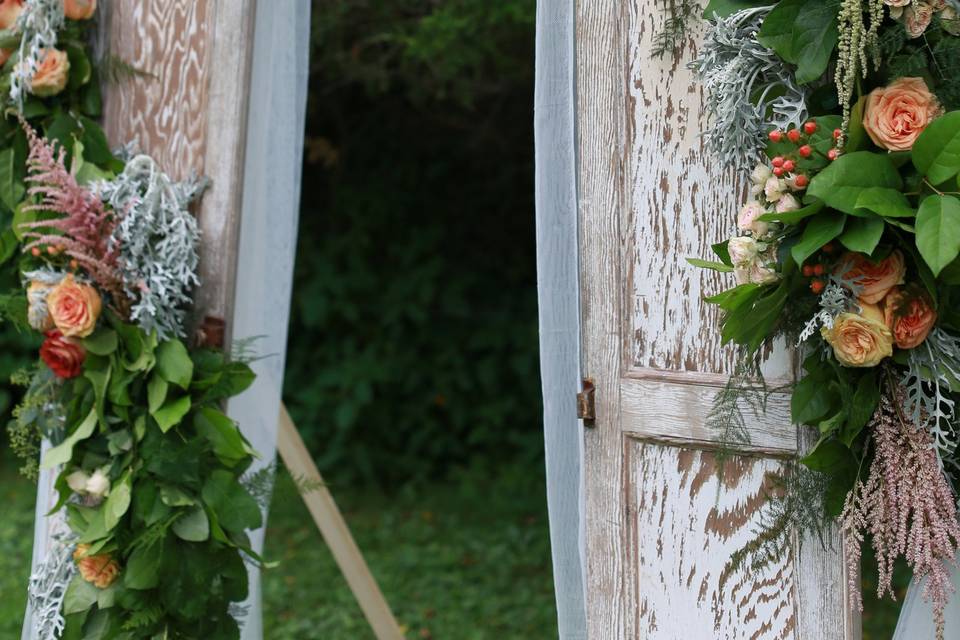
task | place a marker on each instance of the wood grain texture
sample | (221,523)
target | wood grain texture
(191,114)
(556,206)
(684,588)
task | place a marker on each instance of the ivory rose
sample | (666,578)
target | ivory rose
(79,9)
(747,220)
(96,485)
(74,307)
(860,340)
(38,316)
(51,76)
(10,10)
(100,570)
(896,115)
(875,278)
(63,355)
(910,318)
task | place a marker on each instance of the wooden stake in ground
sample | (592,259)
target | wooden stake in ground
(335,532)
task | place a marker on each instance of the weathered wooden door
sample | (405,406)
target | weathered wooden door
(658,522)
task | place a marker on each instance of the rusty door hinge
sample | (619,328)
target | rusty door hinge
(586,405)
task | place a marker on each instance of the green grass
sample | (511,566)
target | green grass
(466,559)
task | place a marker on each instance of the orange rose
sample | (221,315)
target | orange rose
(895,116)
(51,76)
(10,10)
(910,318)
(100,570)
(860,340)
(74,308)
(875,278)
(79,9)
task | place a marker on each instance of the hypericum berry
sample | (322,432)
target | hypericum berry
(828,248)
(806,151)
(36,252)
(52,250)
(837,133)
(801,181)
(817,286)
(789,165)
(833,154)
(794,135)
(810,127)
(819,269)
(74,265)
(778,171)
(807,270)
(776,135)
(777,162)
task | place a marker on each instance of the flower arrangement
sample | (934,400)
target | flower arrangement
(848,245)
(150,473)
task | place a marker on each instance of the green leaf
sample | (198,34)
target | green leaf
(80,67)
(857,138)
(793,217)
(707,264)
(865,401)
(804,33)
(143,568)
(222,432)
(235,508)
(938,231)
(174,364)
(888,203)
(842,182)
(22,215)
(818,232)
(812,401)
(723,8)
(80,595)
(117,503)
(62,453)
(11,188)
(174,497)
(863,234)
(171,413)
(103,342)
(731,299)
(750,325)
(156,392)
(722,249)
(936,153)
(829,456)
(194,526)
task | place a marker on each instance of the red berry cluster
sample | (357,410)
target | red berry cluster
(783,165)
(817,270)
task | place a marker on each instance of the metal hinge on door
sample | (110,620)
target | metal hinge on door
(586,405)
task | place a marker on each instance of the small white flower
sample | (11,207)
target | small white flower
(761,174)
(77,481)
(773,188)
(787,203)
(743,251)
(98,485)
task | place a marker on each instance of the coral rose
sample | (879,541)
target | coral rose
(79,9)
(860,340)
(51,76)
(64,356)
(74,307)
(875,278)
(10,10)
(100,570)
(896,115)
(910,318)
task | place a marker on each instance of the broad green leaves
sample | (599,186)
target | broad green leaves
(117,503)
(804,33)
(174,364)
(889,203)
(845,180)
(194,526)
(936,153)
(707,264)
(818,232)
(228,444)
(863,234)
(62,453)
(938,231)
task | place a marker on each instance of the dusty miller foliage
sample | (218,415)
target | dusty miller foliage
(158,239)
(750,90)
(927,384)
(39,23)
(48,588)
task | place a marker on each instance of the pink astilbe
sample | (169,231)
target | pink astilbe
(82,227)
(908,507)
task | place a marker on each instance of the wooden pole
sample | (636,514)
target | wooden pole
(335,532)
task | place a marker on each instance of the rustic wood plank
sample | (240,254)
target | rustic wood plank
(335,532)
(556,207)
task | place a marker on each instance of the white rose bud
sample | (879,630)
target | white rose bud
(99,484)
(743,251)
(787,203)
(77,481)
(761,174)
(773,188)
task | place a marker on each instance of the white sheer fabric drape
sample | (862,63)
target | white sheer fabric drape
(916,616)
(271,202)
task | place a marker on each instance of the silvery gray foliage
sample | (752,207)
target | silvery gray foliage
(38,22)
(734,68)
(927,382)
(158,239)
(839,296)
(48,587)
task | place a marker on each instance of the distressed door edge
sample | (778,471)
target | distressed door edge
(558,293)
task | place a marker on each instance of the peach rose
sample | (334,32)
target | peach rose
(10,10)
(79,9)
(860,340)
(875,278)
(896,115)
(74,308)
(51,76)
(100,570)
(910,318)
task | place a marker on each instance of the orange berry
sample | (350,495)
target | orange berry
(817,286)
(810,127)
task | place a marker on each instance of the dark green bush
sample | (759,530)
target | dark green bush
(413,339)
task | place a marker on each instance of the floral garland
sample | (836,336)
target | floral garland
(150,527)
(848,246)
